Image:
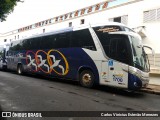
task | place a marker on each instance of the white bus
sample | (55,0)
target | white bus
(108,54)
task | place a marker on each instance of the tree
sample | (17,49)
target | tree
(6,7)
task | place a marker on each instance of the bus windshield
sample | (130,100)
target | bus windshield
(124,48)
(140,59)
(115,46)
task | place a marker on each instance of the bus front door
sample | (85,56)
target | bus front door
(119,60)
(118,74)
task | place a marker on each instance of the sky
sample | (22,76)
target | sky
(32,11)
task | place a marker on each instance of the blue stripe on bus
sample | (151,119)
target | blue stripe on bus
(134,83)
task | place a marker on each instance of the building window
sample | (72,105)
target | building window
(158,14)
(15,37)
(70,24)
(121,19)
(43,30)
(151,15)
(18,37)
(82,21)
(117,19)
(5,40)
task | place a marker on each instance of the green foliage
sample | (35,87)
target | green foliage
(6,7)
(1,53)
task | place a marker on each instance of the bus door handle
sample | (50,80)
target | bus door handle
(111,68)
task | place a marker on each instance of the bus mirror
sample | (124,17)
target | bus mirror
(153,52)
(139,46)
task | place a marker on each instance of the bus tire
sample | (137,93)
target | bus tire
(19,69)
(86,79)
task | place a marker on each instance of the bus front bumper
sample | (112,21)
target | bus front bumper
(137,79)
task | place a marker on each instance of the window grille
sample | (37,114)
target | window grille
(146,16)
(158,14)
(151,15)
(124,19)
(121,19)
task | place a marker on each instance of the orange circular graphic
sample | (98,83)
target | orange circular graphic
(42,62)
(65,60)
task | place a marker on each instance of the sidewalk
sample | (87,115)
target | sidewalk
(153,89)
(154,84)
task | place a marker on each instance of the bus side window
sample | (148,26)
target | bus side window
(113,47)
(118,49)
(122,51)
(82,39)
(45,42)
(26,44)
(15,45)
(35,43)
(105,41)
(53,41)
(63,40)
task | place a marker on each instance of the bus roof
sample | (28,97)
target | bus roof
(52,32)
(98,24)
(75,28)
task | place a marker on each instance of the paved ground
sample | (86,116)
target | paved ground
(30,93)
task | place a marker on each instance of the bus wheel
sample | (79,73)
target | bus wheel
(19,69)
(86,79)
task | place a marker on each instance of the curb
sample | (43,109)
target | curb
(154,73)
(150,91)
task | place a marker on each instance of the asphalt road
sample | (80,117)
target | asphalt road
(36,93)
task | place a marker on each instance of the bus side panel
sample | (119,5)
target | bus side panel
(58,62)
(13,58)
(98,57)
